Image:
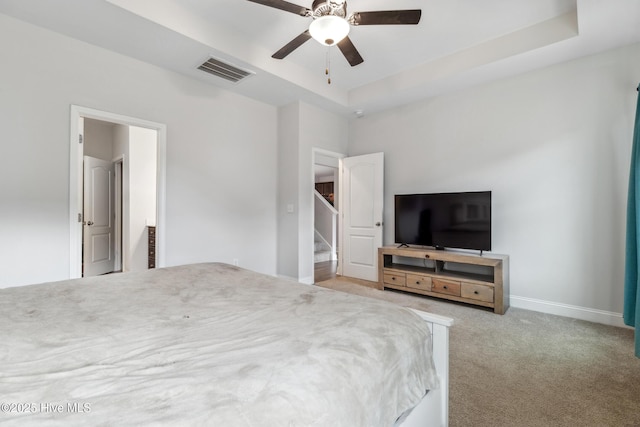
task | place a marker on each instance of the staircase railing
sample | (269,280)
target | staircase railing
(326,223)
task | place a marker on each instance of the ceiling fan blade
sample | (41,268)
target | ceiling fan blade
(350,52)
(292,45)
(284,5)
(387,17)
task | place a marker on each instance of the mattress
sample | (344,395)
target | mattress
(206,344)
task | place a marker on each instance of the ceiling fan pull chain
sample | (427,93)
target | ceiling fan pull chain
(327,70)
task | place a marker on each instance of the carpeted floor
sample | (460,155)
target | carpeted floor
(530,369)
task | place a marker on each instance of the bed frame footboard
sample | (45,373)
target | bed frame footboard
(433,410)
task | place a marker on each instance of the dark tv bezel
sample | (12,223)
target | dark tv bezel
(453,193)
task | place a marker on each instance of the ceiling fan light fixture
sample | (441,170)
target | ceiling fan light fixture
(329,29)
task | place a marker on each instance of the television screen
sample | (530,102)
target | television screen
(444,220)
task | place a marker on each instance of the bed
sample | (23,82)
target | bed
(214,344)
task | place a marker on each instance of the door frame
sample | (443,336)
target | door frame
(118,163)
(76,153)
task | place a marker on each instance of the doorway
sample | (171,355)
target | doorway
(326,220)
(137,188)
(360,194)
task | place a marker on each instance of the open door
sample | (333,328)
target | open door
(98,230)
(362,203)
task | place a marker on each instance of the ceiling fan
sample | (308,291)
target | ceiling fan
(331,24)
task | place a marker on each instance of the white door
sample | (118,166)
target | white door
(362,207)
(98,242)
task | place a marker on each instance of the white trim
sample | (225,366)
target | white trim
(119,167)
(306,280)
(291,279)
(325,202)
(75,188)
(434,318)
(75,181)
(566,310)
(327,153)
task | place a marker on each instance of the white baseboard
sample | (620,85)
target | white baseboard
(566,310)
(303,280)
(306,280)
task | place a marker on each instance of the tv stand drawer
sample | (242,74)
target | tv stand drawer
(448,287)
(416,281)
(398,279)
(477,292)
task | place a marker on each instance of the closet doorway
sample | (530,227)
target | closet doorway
(116,192)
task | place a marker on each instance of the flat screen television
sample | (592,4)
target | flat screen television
(444,220)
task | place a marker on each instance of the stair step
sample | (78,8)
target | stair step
(320,246)
(322,256)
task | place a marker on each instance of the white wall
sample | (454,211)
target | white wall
(288,199)
(220,173)
(554,147)
(302,128)
(326,131)
(143,158)
(120,141)
(98,139)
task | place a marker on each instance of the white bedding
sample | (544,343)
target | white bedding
(206,344)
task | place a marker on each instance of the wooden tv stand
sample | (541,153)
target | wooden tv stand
(472,279)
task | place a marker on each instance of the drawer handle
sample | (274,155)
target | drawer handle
(475,292)
(393,278)
(444,287)
(417,282)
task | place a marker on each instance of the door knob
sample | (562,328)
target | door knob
(378,224)
(90,223)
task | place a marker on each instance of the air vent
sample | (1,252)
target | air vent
(224,70)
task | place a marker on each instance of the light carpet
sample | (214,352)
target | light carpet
(527,368)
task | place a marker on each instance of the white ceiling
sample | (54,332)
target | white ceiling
(458,43)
